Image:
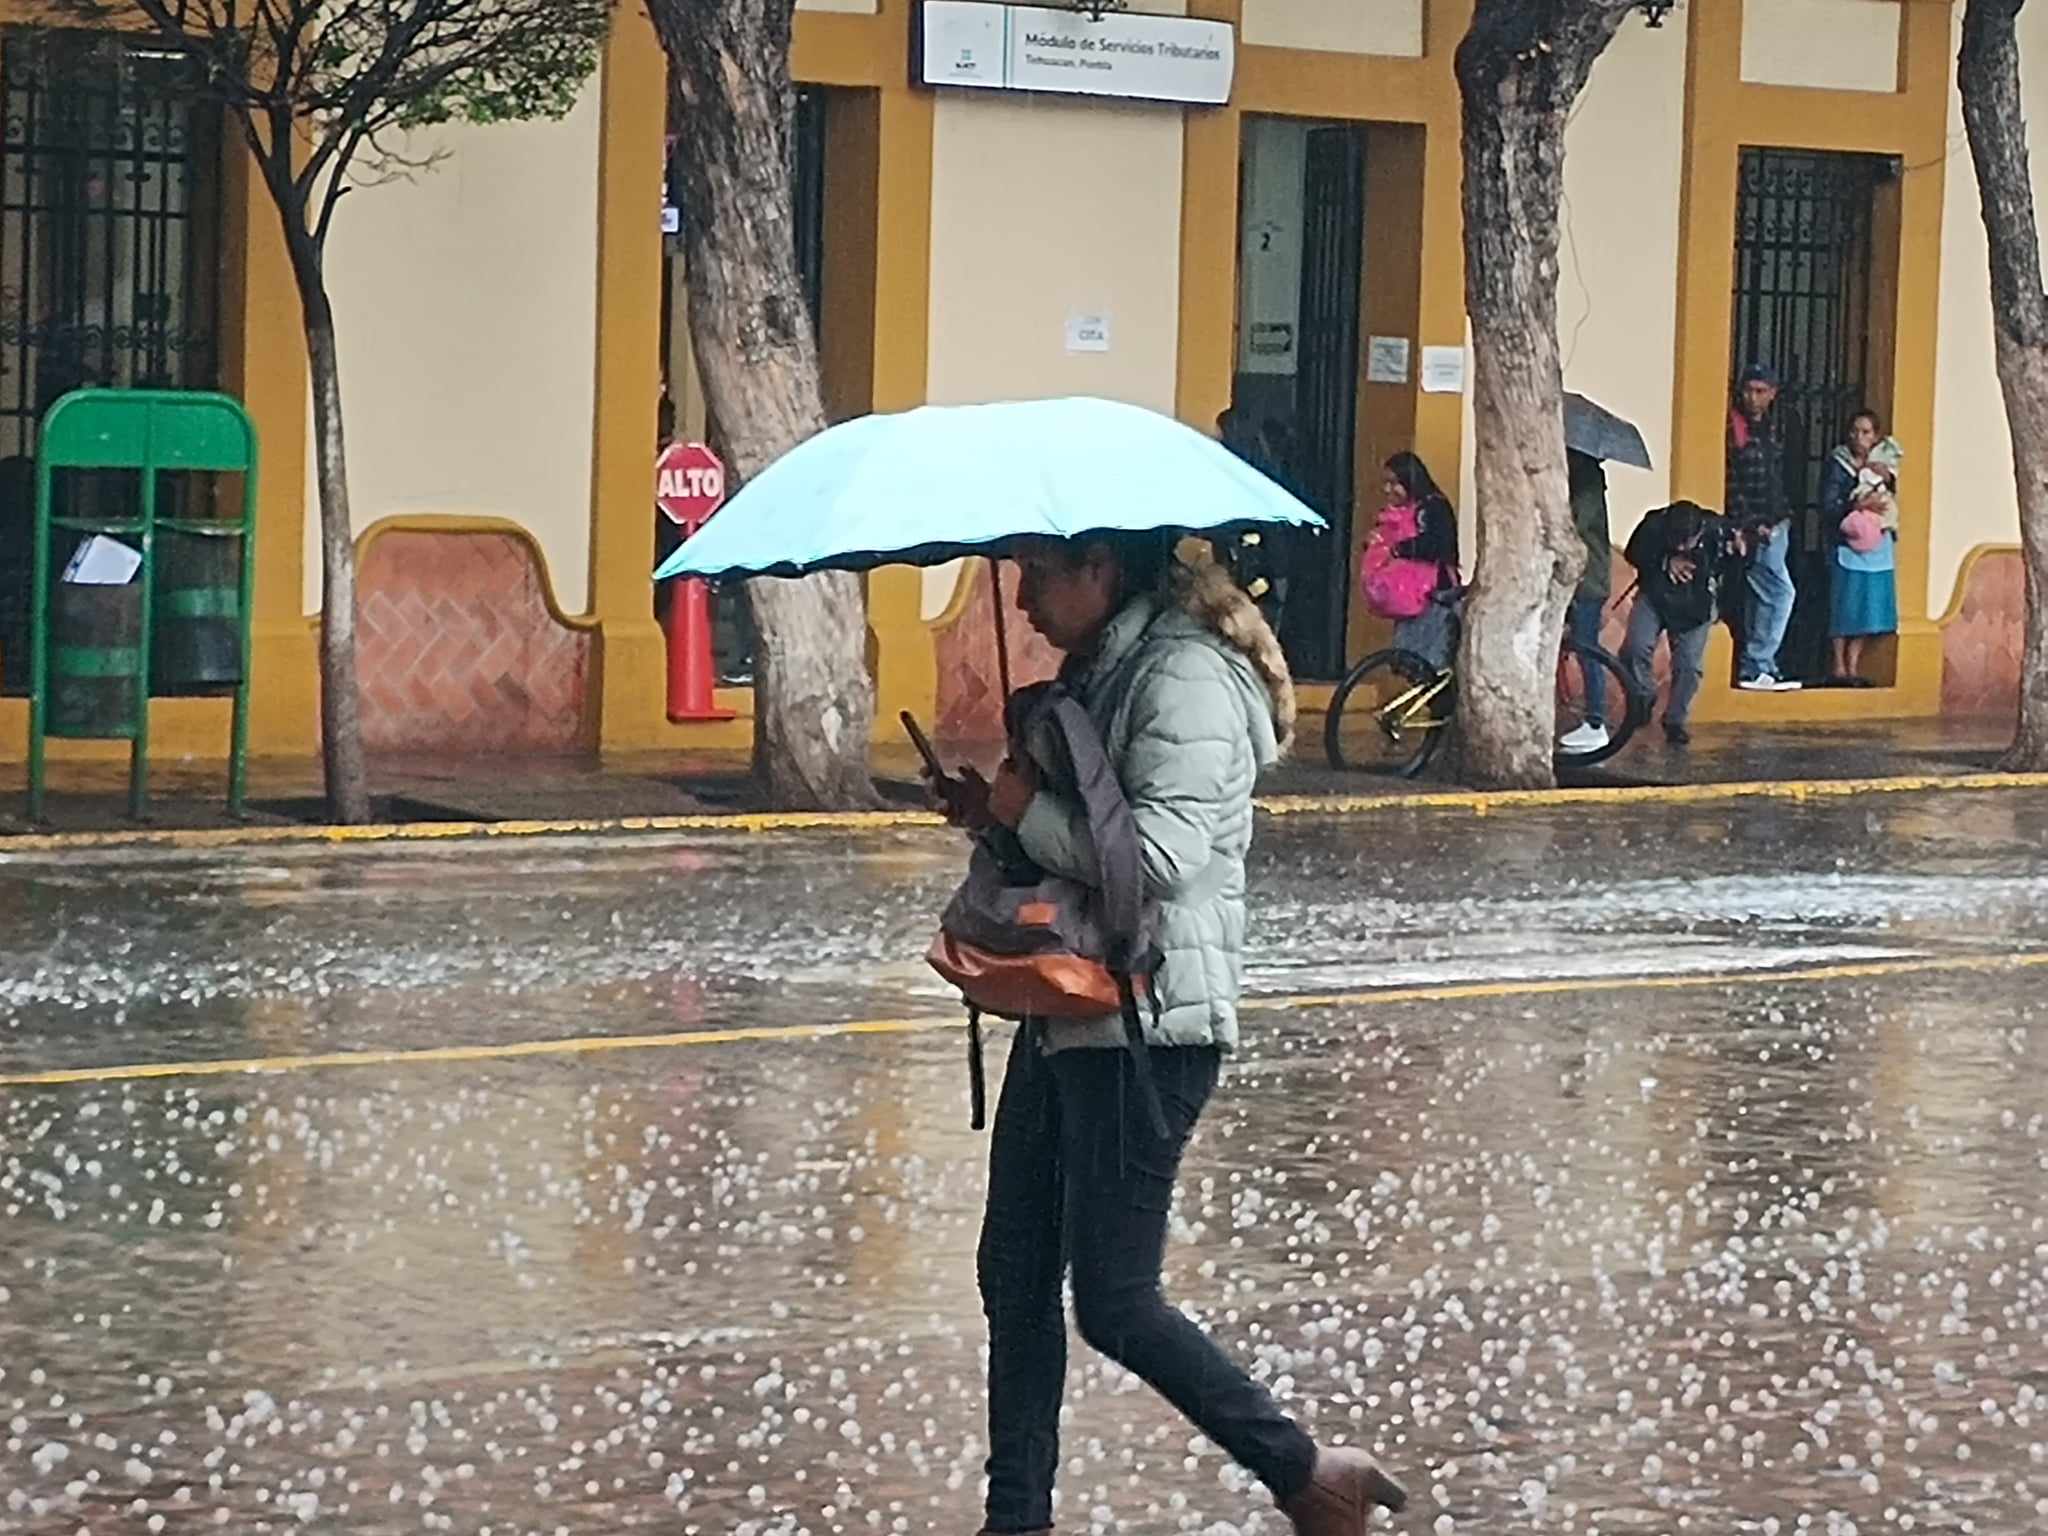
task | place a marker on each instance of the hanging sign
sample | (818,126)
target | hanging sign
(1031,48)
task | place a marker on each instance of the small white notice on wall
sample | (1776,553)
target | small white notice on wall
(1443,370)
(1386,360)
(1088,332)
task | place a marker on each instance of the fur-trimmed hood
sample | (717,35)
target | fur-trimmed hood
(1207,593)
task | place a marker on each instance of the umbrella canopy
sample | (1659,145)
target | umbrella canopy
(1600,434)
(940,482)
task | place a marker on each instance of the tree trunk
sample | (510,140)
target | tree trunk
(757,356)
(341,728)
(1988,74)
(1520,68)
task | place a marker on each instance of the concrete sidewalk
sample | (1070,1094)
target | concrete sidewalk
(91,797)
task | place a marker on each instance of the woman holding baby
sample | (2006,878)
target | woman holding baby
(1859,502)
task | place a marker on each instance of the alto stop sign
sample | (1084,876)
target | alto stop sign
(689,483)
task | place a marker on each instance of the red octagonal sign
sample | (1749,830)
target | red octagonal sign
(689,483)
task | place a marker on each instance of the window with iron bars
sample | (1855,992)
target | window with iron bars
(110,225)
(109,222)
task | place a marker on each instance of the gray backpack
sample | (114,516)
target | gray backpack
(1023,944)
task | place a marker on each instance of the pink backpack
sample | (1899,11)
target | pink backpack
(1394,588)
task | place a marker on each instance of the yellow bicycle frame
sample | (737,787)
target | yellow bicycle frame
(1399,713)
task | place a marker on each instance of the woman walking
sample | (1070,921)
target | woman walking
(1860,506)
(1186,684)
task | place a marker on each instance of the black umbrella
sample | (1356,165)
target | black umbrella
(1600,434)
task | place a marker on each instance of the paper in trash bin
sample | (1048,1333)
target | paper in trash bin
(102,562)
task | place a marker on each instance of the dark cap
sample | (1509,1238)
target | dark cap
(1760,373)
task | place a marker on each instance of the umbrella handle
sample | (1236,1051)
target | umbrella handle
(995,587)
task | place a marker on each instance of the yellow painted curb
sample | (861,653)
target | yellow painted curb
(1478,802)
(176,838)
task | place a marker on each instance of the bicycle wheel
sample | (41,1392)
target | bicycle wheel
(1597,707)
(1390,714)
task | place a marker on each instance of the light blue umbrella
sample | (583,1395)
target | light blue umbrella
(934,484)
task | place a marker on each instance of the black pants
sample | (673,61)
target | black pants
(1077,1174)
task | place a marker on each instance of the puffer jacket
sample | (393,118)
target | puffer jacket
(1192,700)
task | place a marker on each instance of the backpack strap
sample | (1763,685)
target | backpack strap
(977,1073)
(1111,828)
(1120,866)
(1141,1057)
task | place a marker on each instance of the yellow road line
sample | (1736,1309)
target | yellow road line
(586,1045)
(1479,802)
(1858,970)
(591,1045)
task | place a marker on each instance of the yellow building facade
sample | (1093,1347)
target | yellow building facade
(1784,175)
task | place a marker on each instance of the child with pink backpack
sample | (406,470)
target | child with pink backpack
(1410,570)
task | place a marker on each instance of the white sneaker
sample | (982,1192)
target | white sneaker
(1587,738)
(1763,682)
(1786,685)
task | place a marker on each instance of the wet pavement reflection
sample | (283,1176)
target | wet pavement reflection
(1644,1169)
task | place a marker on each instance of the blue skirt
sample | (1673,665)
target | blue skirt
(1863,603)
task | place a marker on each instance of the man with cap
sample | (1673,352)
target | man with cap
(1761,512)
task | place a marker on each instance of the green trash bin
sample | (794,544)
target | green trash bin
(197,647)
(95,660)
(98,653)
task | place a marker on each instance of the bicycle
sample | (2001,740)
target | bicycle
(1393,710)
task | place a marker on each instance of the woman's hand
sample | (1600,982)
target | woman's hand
(1016,786)
(962,797)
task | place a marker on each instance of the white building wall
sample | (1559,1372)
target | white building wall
(1974,499)
(466,309)
(1389,27)
(1842,45)
(1045,212)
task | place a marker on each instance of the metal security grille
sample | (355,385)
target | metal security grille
(1802,291)
(109,223)
(1804,261)
(1319,582)
(109,254)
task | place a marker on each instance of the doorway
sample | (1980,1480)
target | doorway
(1295,388)
(1815,287)
(683,411)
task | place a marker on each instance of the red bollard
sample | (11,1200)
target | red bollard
(689,486)
(690,663)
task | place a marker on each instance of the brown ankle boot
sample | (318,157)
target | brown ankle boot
(1342,1492)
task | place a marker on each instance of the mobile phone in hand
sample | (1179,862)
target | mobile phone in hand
(923,743)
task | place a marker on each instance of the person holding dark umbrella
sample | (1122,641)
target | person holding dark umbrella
(1592,434)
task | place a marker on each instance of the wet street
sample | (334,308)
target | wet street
(1624,1169)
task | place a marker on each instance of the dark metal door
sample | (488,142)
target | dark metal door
(733,638)
(1803,261)
(808,175)
(1318,568)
